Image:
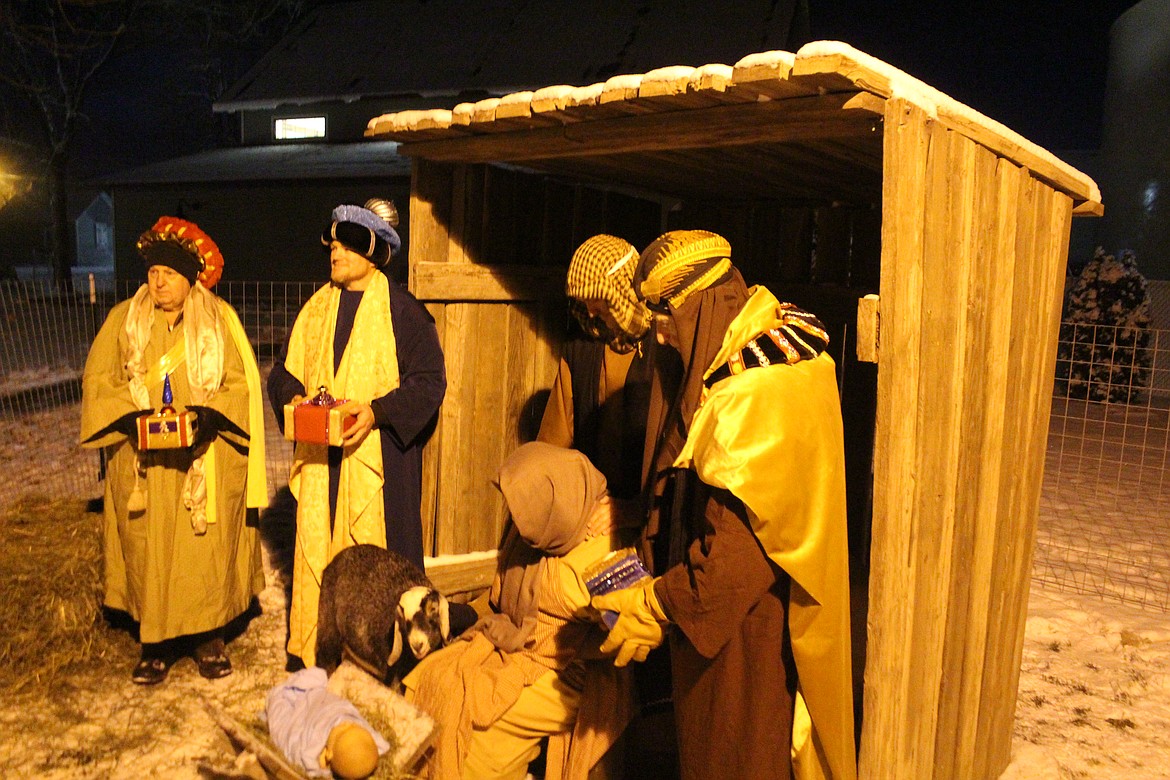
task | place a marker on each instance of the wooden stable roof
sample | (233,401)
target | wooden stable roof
(800,127)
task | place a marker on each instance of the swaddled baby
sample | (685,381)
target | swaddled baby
(319,731)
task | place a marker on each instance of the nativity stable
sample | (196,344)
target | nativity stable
(931,239)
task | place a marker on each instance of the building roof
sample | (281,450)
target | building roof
(375,48)
(272,163)
(774,124)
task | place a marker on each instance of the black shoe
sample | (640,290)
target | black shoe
(212,660)
(150,671)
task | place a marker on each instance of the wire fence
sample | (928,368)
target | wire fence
(1104,523)
(1105,505)
(44,340)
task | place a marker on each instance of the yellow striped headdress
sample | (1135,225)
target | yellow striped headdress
(679,263)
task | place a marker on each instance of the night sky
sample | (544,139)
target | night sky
(1036,66)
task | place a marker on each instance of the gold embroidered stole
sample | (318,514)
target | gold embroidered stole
(368,370)
(201,351)
(257,465)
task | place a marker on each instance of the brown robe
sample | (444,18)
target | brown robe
(733,678)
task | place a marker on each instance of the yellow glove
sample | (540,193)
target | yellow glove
(638,629)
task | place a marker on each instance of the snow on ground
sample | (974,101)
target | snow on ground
(1094,694)
(1094,702)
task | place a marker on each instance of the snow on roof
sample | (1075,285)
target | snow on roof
(816,68)
(881,78)
(779,61)
(552,98)
(712,76)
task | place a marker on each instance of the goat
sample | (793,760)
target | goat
(374,601)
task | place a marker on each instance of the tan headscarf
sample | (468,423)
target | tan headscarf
(700,321)
(688,275)
(679,263)
(550,492)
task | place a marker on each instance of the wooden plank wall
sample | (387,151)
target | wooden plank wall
(973,251)
(499,353)
(507,237)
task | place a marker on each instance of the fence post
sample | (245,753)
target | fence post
(93,322)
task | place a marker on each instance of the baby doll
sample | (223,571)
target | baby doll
(321,732)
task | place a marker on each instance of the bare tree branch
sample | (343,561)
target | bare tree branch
(52,50)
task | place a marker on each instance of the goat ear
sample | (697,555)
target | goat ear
(396,650)
(444,618)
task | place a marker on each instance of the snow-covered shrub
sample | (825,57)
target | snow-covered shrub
(1104,353)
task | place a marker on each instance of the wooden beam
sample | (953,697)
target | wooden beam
(1041,163)
(430,213)
(987,279)
(1089,208)
(802,118)
(888,712)
(474,282)
(847,69)
(452,574)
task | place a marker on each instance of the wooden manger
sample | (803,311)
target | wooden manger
(409,731)
(835,177)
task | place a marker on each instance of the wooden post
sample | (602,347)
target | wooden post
(430,213)
(894,528)
(868,328)
(989,274)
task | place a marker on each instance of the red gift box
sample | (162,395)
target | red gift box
(318,420)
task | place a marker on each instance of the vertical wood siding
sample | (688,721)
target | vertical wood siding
(973,249)
(501,341)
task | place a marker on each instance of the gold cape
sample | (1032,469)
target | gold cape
(772,435)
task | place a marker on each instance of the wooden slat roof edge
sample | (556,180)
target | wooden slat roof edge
(818,67)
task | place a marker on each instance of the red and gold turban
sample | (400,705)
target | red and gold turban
(179,244)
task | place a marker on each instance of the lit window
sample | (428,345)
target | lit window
(300,127)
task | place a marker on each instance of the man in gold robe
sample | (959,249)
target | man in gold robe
(746,467)
(180,558)
(370,343)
